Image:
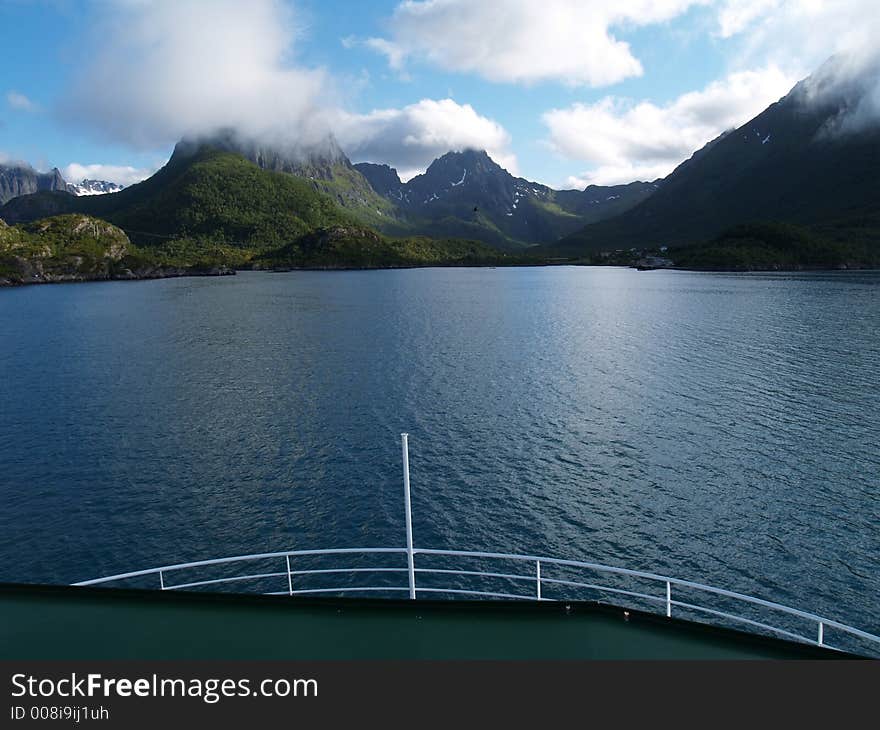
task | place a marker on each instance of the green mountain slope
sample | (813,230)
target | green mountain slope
(355,247)
(221,197)
(322,164)
(776,246)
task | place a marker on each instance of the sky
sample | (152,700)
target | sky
(563,92)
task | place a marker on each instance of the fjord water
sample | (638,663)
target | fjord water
(722,428)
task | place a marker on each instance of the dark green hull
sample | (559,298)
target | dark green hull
(43,622)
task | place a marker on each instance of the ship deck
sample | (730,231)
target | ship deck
(62,622)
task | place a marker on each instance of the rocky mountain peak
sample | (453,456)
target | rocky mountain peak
(474,162)
(382,178)
(21,179)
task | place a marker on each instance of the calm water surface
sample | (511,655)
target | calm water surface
(720,428)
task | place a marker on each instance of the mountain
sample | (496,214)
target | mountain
(467,194)
(207,193)
(322,163)
(207,209)
(599,202)
(93,187)
(21,179)
(810,159)
(201,193)
(461,195)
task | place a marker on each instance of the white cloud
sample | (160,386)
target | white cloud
(623,141)
(799,35)
(393,52)
(411,137)
(20,102)
(737,15)
(522,41)
(163,70)
(120,174)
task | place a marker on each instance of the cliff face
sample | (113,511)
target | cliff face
(18,180)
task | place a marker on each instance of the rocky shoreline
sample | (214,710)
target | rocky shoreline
(31,274)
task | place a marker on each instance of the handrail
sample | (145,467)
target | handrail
(656,577)
(540,577)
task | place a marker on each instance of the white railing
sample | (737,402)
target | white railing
(525,577)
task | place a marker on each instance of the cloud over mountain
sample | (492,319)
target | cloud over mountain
(800,32)
(623,140)
(411,137)
(800,36)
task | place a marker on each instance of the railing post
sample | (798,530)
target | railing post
(289,577)
(161,581)
(404,442)
(821,633)
(538,577)
(668,599)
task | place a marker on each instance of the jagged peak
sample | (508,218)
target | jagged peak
(382,178)
(379,167)
(473,161)
(467,155)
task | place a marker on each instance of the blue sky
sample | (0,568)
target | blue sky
(565,92)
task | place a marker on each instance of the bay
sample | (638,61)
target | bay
(722,428)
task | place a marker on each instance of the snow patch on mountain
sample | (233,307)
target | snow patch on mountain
(94,187)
